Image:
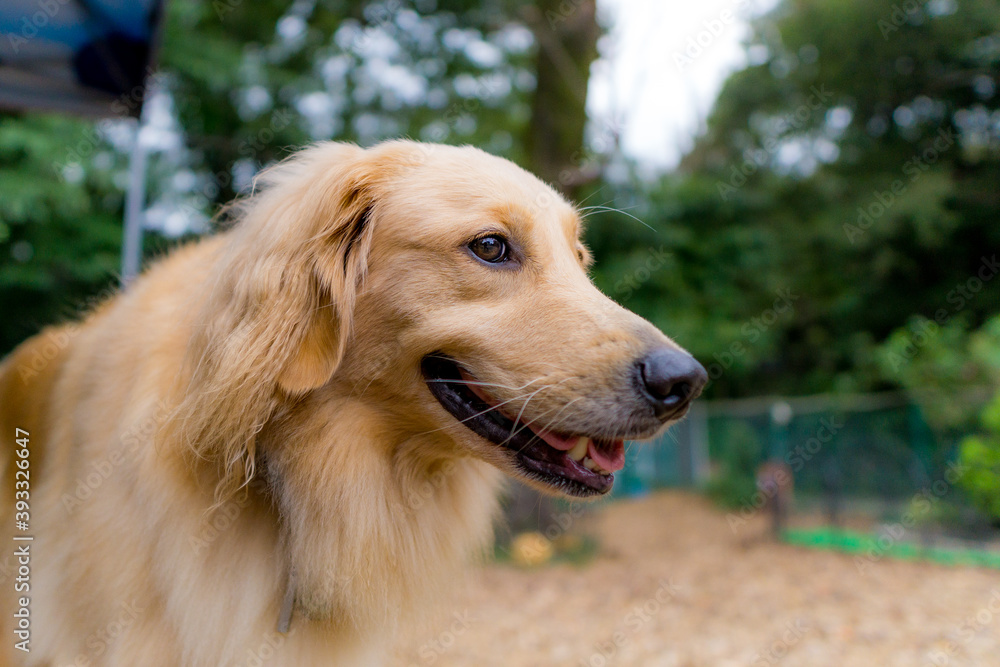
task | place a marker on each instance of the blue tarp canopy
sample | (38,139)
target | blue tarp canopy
(86,57)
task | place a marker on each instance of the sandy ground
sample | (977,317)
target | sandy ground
(673,584)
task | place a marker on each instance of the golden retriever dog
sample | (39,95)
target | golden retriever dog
(280,444)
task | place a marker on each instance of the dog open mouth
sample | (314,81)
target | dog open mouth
(575,464)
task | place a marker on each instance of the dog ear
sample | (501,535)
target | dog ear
(315,360)
(339,263)
(278,313)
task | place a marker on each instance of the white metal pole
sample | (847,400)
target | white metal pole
(698,438)
(135,199)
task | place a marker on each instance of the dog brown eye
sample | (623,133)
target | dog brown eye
(491,249)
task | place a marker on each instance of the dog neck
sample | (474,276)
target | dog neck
(375,525)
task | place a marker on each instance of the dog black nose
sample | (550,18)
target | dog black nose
(670,379)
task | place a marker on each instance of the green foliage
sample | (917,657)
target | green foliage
(253,80)
(951,373)
(948,370)
(735,483)
(981,453)
(59,237)
(842,164)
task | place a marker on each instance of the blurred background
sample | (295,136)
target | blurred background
(803,193)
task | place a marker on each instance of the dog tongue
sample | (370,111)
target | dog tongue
(556,441)
(611,460)
(610,456)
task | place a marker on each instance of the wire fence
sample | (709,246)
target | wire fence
(863,461)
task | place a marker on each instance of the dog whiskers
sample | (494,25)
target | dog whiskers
(617,210)
(484,384)
(483,412)
(552,422)
(520,426)
(521,411)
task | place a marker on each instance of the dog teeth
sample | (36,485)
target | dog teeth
(579,449)
(589,464)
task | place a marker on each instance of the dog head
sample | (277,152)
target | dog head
(448,290)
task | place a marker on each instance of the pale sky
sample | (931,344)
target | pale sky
(661,104)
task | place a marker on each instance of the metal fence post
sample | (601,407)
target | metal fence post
(134,202)
(698,443)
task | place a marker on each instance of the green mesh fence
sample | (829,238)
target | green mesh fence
(883,453)
(878,446)
(869,454)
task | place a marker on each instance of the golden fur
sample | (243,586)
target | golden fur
(252,406)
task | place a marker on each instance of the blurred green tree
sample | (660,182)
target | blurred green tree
(953,375)
(60,232)
(980,454)
(852,166)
